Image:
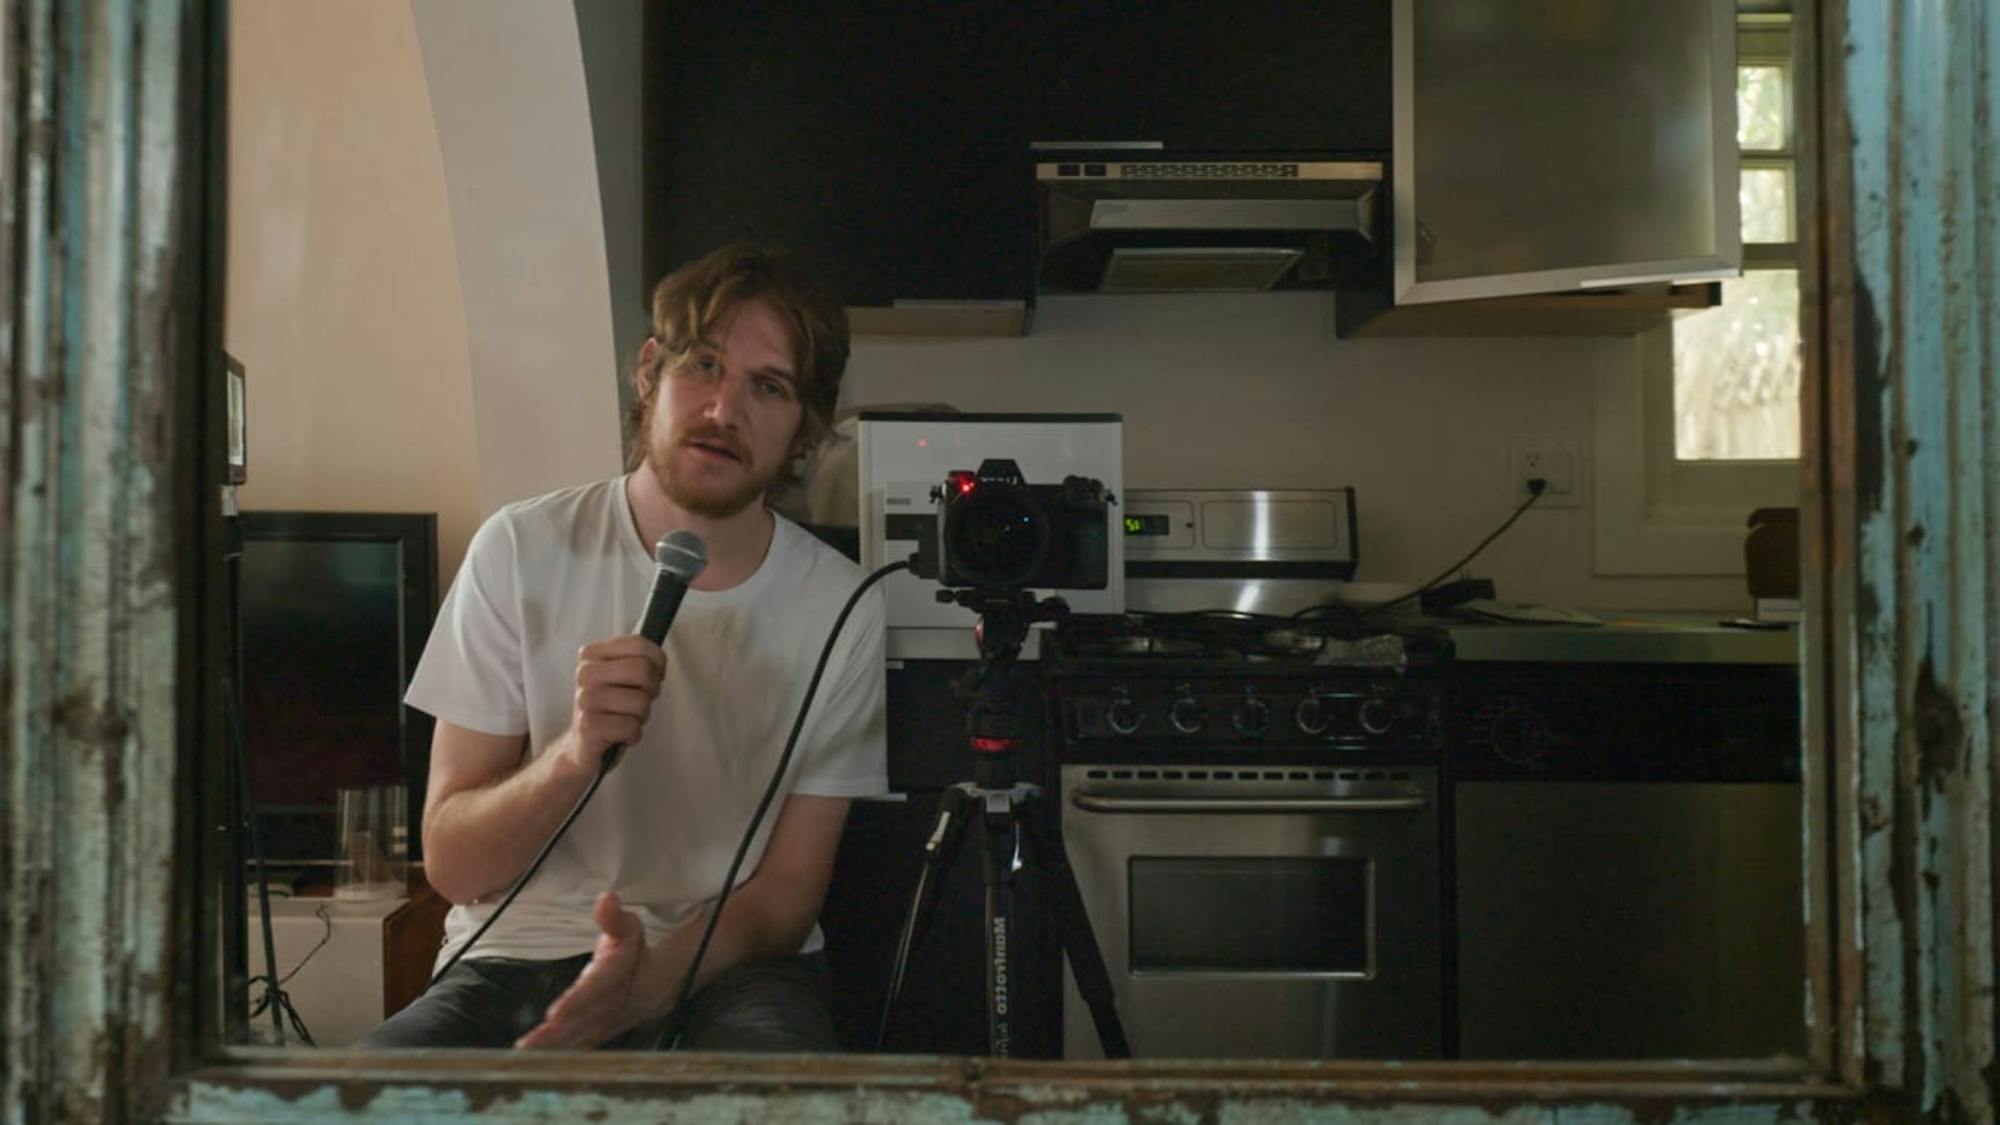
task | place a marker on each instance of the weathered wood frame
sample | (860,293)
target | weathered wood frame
(109,551)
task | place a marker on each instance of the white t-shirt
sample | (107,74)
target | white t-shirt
(546,576)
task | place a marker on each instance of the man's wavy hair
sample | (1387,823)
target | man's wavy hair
(689,303)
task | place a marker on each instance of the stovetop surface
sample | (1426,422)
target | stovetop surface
(1250,689)
(1219,642)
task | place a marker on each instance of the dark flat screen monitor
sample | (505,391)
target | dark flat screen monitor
(333,611)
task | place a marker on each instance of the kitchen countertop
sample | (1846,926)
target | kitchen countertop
(1645,637)
(1611,636)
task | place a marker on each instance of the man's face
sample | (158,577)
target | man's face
(726,416)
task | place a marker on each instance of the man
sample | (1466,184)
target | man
(533,673)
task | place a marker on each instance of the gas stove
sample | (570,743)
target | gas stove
(1224,773)
(1225,687)
(1250,741)
(1237,638)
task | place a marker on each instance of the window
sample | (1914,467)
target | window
(1706,427)
(1736,367)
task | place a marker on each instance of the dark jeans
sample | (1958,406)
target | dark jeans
(778,1005)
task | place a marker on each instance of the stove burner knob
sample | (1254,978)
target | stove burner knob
(1377,715)
(1122,715)
(1187,713)
(1311,715)
(1520,735)
(1251,716)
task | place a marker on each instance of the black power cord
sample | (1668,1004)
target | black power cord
(274,998)
(1354,615)
(1536,486)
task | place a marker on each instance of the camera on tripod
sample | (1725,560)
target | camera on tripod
(995,531)
(994,540)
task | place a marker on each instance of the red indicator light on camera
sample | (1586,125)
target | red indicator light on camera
(961,481)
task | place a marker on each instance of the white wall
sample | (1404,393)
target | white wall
(343,296)
(417,281)
(1253,390)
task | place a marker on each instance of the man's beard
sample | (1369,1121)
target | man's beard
(710,501)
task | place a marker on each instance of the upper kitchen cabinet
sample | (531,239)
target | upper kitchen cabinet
(1253,78)
(879,142)
(890,144)
(1556,148)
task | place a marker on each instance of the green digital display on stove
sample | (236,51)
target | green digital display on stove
(1146,525)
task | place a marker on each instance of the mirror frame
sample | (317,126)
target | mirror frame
(111,547)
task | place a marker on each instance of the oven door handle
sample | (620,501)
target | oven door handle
(1091,802)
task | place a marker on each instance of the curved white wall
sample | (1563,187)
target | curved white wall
(513,123)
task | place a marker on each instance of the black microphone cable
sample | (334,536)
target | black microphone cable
(690,557)
(604,765)
(671,1030)
(610,759)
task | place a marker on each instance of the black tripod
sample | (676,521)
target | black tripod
(1012,818)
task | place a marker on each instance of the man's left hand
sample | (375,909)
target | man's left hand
(603,1001)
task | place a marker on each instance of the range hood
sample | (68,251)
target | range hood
(1164,222)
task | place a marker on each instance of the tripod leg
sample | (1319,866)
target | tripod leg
(1086,962)
(999,852)
(939,850)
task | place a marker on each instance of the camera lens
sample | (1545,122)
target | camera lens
(996,536)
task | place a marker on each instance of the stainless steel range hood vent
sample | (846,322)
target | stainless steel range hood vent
(1195,269)
(1177,224)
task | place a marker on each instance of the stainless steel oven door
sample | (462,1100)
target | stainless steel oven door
(1260,913)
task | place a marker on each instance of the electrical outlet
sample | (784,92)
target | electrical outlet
(1555,460)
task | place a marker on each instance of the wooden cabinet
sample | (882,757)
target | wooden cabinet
(882,143)
(889,144)
(412,934)
(1370,313)
(1553,153)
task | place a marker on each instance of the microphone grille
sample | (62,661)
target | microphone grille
(682,553)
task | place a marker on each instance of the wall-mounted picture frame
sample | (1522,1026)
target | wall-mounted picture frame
(237,464)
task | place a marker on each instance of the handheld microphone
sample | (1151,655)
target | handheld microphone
(681,556)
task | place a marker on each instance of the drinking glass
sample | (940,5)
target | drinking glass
(373,860)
